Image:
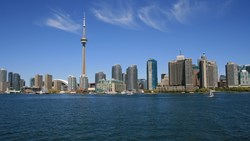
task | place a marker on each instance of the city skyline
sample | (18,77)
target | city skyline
(33,42)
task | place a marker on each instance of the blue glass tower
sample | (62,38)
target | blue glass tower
(152,79)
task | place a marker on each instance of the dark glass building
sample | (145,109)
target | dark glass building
(131,78)
(16,81)
(117,72)
(152,79)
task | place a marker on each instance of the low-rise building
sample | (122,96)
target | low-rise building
(110,86)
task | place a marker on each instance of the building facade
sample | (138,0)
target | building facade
(57,85)
(10,80)
(110,86)
(99,76)
(196,80)
(32,82)
(117,72)
(16,82)
(3,80)
(181,72)
(47,82)
(72,83)
(232,78)
(142,84)
(244,78)
(132,78)
(208,73)
(152,78)
(212,74)
(84,82)
(38,81)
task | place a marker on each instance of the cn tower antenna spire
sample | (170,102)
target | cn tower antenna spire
(84,26)
(84,41)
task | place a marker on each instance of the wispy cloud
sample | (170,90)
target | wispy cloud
(122,15)
(152,16)
(160,17)
(183,10)
(62,21)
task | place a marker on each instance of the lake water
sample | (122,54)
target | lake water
(122,117)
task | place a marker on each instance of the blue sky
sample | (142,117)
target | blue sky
(43,36)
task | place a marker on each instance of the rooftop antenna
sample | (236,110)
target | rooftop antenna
(84,26)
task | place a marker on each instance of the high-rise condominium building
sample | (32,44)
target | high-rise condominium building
(32,82)
(16,82)
(38,81)
(47,82)
(196,81)
(132,77)
(208,73)
(72,83)
(244,77)
(152,79)
(22,83)
(117,72)
(180,72)
(3,80)
(57,85)
(142,84)
(232,74)
(10,79)
(124,75)
(99,76)
(84,83)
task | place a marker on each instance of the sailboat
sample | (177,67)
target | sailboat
(211,93)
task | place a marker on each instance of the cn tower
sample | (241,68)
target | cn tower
(84,41)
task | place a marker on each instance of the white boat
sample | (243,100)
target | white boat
(211,93)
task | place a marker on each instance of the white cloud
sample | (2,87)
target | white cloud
(152,16)
(62,21)
(122,15)
(159,16)
(184,9)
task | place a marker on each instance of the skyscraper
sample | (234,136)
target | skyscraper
(16,81)
(117,72)
(83,78)
(244,78)
(47,82)
(124,75)
(22,83)
(248,68)
(10,79)
(84,83)
(152,80)
(72,83)
(38,81)
(196,71)
(132,77)
(3,75)
(99,76)
(203,71)
(180,72)
(232,74)
(57,85)
(142,84)
(32,82)
(3,80)
(208,73)
(212,74)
